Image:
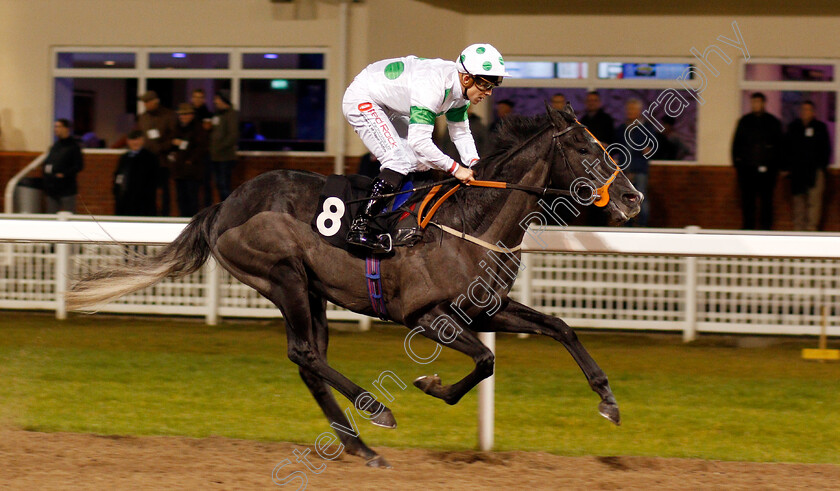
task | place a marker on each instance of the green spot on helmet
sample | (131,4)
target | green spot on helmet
(482,59)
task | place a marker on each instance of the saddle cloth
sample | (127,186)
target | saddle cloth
(336,210)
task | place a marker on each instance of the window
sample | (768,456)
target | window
(659,71)
(786,72)
(546,69)
(283,114)
(788,83)
(280,94)
(96,60)
(89,102)
(283,61)
(652,82)
(181,60)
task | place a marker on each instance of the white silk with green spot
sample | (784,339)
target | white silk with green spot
(420,90)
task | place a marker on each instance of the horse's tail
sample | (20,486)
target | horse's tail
(185,255)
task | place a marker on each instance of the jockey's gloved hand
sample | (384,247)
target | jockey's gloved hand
(464,174)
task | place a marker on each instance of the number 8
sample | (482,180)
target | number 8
(333,212)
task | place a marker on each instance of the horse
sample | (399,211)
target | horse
(262,235)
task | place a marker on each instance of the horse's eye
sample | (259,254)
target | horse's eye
(584,151)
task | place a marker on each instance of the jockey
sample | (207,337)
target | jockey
(392,105)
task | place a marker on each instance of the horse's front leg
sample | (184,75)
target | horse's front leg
(516,317)
(444,330)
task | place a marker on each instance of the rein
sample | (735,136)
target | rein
(601,195)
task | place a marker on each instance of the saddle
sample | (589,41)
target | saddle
(343,195)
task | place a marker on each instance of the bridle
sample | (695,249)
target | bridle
(602,193)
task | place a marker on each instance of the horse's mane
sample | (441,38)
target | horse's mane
(480,206)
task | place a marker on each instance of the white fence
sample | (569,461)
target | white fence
(690,281)
(753,295)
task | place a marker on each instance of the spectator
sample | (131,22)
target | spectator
(205,117)
(504,108)
(598,122)
(60,168)
(158,125)
(637,169)
(62,165)
(223,140)
(755,155)
(808,154)
(190,147)
(672,147)
(369,166)
(135,180)
(198,98)
(558,101)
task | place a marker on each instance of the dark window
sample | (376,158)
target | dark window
(282,114)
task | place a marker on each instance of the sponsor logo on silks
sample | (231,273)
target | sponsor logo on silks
(374,119)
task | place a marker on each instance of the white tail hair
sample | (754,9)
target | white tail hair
(183,256)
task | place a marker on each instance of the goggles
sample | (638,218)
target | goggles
(485,85)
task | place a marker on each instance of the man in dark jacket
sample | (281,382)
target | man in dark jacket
(135,180)
(223,140)
(601,125)
(598,122)
(189,151)
(158,125)
(808,154)
(60,168)
(637,169)
(756,156)
(199,102)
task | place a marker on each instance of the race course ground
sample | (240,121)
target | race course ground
(183,405)
(67,461)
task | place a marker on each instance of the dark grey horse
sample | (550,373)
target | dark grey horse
(262,235)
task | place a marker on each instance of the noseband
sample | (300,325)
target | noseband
(602,193)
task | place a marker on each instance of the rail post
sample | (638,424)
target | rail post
(486,396)
(211,270)
(690,324)
(62,271)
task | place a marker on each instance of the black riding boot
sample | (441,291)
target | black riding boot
(360,232)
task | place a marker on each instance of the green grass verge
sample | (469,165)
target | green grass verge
(138,376)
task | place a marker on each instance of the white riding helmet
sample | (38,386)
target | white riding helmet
(482,59)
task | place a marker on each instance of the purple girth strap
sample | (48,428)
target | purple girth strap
(374,284)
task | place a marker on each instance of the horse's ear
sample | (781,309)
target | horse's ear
(555,116)
(568,109)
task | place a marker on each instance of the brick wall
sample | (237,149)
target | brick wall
(95,195)
(680,195)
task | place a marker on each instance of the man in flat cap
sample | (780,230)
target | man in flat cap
(158,126)
(223,140)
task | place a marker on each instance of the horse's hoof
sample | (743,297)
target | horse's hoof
(609,410)
(379,462)
(426,383)
(385,419)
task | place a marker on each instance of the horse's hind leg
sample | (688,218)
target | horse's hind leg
(322,393)
(290,293)
(516,317)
